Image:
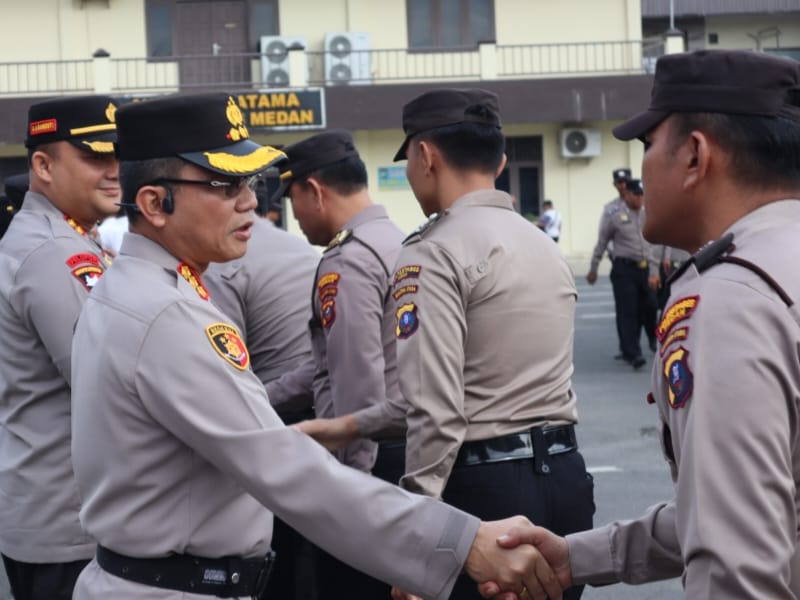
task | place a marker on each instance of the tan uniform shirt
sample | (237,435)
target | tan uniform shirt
(623,226)
(265,293)
(176,449)
(484,311)
(46,271)
(348,303)
(727,386)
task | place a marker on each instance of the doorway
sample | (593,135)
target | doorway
(522,177)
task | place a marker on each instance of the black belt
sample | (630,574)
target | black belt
(227,577)
(518,446)
(639,264)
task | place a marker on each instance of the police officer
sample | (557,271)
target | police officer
(634,273)
(11,201)
(48,265)
(326,181)
(672,260)
(176,448)
(722,142)
(265,293)
(484,350)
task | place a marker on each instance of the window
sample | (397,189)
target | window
(449,23)
(159,28)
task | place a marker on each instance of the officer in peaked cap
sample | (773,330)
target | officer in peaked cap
(11,201)
(722,144)
(48,265)
(485,412)
(176,448)
(326,182)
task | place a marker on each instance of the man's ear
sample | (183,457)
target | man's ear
(502,166)
(429,155)
(696,158)
(150,200)
(318,190)
(42,165)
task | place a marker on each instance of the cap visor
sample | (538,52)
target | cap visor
(401,154)
(637,126)
(241,158)
(102,143)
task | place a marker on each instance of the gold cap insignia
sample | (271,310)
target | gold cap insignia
(236,118)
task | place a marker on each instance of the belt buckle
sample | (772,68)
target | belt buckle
(260,589)
(643,264)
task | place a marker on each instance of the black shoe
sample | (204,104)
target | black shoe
(638,362)
(653,345)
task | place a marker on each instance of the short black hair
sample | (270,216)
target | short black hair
(346,177)
(468,146)
(765,151)
(133,174)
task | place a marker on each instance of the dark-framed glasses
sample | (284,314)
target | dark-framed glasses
(231,186)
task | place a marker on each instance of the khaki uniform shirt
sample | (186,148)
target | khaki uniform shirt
(46,271)
(484,308)
(177,450)
(727,387)
(265,293)
(352,284)
(623,226)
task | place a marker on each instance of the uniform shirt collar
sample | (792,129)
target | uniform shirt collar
(765,217)
(495,198)
(139,246)
(370,213)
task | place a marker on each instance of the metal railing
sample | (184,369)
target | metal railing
(316,68)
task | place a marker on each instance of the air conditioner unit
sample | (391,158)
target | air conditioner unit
(580,142)
(275,58)
(347,59)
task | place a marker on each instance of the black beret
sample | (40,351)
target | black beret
(635,186)
(88,122)
(719,81)
(621,175)
(439,108)
(16,186)
(205,129)
(311,154)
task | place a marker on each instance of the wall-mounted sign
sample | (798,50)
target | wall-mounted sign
(392,178)
(283,110)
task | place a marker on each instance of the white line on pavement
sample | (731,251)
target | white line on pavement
(604,469)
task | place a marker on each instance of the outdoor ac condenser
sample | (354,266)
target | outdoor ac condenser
(580,142)
(347,58)
(275,58)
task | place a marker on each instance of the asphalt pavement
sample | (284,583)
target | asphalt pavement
(617,433)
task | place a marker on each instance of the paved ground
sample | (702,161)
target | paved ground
(616,433)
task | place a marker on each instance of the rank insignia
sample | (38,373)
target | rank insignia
(678,311)
(675,336)
(328,312)
(193,277)
(679,377)
(407,320)
(406,289)
(328,279)
(406,272)
(229,345)
(85,267)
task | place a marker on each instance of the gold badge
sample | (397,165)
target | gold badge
(111,113)
(236,118)
(229,345)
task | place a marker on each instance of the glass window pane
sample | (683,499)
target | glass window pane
(480,21)
(159,30)
(264,21)
(420,24)
(450,33)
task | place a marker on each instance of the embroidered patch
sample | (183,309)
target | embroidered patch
(678,311)
(85,267)
(229,345)
(406,272)
(675,336)
(193,277)
(407,320)
(406,289)
(329,291)
(328,279)
(328,313)
(679,377)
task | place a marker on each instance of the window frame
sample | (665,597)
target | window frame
(436,28)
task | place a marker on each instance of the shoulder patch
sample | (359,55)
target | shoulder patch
(407,320)
(340,238)
(85,267)
(406,289)
(227,342)
(679,334)
(678,311)
(328,312)
(679,377)
(406,272)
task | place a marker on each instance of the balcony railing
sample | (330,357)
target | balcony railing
(300,68)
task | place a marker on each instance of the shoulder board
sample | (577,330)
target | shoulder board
(710,254)
(344,236)
(424,227)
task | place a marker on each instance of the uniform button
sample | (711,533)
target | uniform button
(545,468)
(234,578)
(481,267)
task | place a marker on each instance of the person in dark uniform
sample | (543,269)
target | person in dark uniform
(11,201)
(634,273)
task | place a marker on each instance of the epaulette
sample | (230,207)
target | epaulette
(340,238)
(424,227)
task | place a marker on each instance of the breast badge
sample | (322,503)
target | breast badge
(407,320)
(228,344)
(679,377)
(85,267)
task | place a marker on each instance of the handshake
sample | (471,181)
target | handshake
(513,559)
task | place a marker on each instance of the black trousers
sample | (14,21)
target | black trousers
(42,581)
(636,305)
(338,580)
(561,500)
